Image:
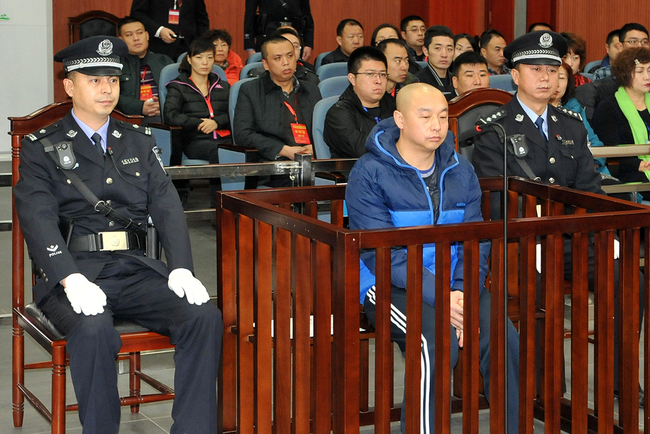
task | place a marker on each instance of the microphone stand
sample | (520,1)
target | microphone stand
(499,129)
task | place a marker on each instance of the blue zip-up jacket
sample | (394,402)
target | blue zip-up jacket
(384,191)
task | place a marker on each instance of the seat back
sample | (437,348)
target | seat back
(332,70)
(232,103)
(167,74)
(92,23)
(181,57)
(255,57)
(591,65)
(588,75)
(503,82)
(465,109)
(248,67)
(333,86)
(319,59)
(320,111)
(422,63)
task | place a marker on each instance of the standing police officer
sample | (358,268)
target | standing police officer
(263,17)
(556,139)
(552,146)
(92,264)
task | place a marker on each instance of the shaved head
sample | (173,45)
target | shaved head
(405,97)
(422,117)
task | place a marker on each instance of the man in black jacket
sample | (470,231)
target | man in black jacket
(173,24)
(439,47)
(349,36)
(274,112)
(141,72)
(363,104)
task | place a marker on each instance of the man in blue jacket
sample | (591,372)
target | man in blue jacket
(412,176)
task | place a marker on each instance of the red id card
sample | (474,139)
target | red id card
(145,92)
(174,16)
(300,134)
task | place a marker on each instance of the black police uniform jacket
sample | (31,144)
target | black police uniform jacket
(44,200)
(566,160)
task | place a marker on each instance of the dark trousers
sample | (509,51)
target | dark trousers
(139,293)
(398,335)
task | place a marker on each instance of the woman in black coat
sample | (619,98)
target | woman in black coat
(197,101)
(624,118)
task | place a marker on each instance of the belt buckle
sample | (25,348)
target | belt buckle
(113,241)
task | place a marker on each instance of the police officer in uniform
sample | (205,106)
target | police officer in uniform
(263,17)
(551,142)
(555,152)
(92,264)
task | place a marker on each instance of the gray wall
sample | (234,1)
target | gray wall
(26,53)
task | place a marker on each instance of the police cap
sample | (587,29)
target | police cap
(536,48)
(97,55)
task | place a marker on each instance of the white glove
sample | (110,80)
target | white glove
(538,254)
(84,296)
(182,282)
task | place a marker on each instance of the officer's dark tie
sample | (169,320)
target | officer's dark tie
(538,123)
(98,143)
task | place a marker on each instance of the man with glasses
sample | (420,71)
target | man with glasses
(630,35)
(589,95)
(349,36)
(361,106)
(413,29)
(439,47)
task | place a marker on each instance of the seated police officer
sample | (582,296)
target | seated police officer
(92,264)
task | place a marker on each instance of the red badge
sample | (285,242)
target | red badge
(145,92)
(300,134)
(174,16)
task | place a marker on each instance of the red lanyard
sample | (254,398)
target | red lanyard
(292,111)
(143,74)
(207,98)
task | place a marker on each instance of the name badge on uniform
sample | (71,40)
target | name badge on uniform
(174,16)
(145,92)
(300,134)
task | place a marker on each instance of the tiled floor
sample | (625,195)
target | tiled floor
(153,418)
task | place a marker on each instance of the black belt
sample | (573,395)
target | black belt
(108,242)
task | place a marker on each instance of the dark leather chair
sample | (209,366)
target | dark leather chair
(28,318)
(92,23)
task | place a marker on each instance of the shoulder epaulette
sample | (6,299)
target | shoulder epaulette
(133,127)
(37,135)
(570,113)
(496,115)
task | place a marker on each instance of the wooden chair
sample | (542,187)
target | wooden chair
(27,317)
(92,23)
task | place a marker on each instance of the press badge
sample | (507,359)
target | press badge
(300,134)
(145,92)
(174,16)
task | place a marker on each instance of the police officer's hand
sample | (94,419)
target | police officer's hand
(84,296)
(207,126)
(182,282)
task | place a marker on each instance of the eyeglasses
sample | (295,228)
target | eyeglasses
(373,74)
(637,41)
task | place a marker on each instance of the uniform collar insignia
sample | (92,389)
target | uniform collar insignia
(117,134)
(71,133)
(519,117)
(43,131)
(554,118)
